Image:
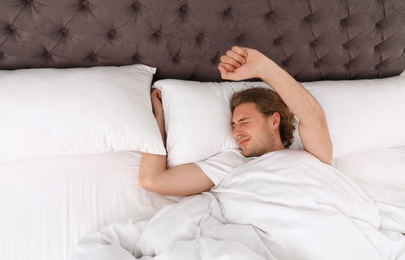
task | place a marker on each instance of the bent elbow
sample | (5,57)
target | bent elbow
(145,183)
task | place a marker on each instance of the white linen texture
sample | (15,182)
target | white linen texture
(282,205)
(48,112)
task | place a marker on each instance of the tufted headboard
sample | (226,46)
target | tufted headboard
(312,39)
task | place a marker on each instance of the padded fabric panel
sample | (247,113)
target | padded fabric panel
(312,39)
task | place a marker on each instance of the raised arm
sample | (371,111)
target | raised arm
(182,180)
(244,63)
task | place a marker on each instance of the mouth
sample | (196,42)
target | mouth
(243,141)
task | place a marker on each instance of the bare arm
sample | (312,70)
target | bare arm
(243,63)
(181,180)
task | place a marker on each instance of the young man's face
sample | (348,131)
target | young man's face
(254,132)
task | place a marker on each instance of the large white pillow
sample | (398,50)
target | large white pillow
(363,114)
(382,167)
(47,112)
(198,118)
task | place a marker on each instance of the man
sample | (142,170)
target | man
(257,133)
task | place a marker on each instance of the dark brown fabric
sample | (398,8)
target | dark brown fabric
(312,39)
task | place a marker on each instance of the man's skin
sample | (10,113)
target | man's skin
(255,133)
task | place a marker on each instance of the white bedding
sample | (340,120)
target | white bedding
(48,204)
(263,210)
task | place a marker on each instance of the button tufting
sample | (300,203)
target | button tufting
(277,41)
(200,37)
(183,8)
(156,34)
(92,57)
(64,31)
(85,3)
(136,6)
(284,63)
(313,44)
(227,12)
(176,59)
(12,28)
(47,55)
(307,18)
(240,39)
(137,58)
(112,33)
(344,22)
(378,24)
(215,59)
(269,15)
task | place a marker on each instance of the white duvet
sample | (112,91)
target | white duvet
(283,205)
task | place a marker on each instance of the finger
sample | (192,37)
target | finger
(226,67)
(236,56)
(240,51)
(226,73)
(225,59)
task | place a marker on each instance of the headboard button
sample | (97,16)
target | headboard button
(183,8)
(137,58)
(277,41)
(85,3)
(112,33)
(227,12)
(64,31)
(12,28)
(176,59)
(157,34)
(200,37)
(136,6)
(343,22)
(307,18)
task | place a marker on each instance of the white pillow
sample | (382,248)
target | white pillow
(47,112)
(382,167)
(198,118)
(363,114)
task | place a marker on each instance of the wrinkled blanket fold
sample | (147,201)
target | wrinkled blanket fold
(283,205)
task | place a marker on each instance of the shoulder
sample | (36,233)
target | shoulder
(220,165)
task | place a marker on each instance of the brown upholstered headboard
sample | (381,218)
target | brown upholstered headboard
(312,39)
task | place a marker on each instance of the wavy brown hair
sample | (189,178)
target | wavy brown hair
(268,102)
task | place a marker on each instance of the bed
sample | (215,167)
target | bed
(75,113)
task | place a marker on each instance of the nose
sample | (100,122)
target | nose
(237,132)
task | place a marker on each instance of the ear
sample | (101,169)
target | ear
(274,120)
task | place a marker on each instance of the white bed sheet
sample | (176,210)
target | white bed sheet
(263,210)
(49,204)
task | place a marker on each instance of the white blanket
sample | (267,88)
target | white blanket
(283,205)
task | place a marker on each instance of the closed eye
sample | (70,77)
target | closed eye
(242,121)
